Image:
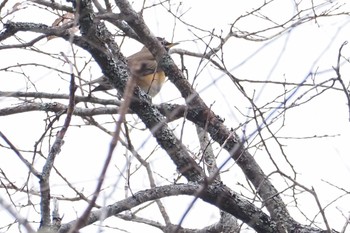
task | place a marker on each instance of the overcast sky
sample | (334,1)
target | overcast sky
(292,56)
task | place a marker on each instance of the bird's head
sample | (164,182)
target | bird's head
(167,45)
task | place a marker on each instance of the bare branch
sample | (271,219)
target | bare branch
(26,162)
(337,70)
(54,151)
(217,130)
(233,205)
(18,218)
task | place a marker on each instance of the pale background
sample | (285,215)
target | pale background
(291,56)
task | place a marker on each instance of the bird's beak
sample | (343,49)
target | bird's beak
(169,45)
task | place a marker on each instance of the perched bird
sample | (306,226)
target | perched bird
(143,68)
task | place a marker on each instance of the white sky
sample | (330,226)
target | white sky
(291,56)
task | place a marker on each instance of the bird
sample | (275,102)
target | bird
(143,68)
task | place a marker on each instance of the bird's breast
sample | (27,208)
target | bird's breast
(151,83)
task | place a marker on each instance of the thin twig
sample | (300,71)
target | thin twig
(26,162)
(321,210)
(81,221)
(337,70)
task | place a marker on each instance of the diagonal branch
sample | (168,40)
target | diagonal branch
(117,72)
(21,220)
(203,116)
(218,195)
(26,162)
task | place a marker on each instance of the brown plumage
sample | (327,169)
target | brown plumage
(143,68)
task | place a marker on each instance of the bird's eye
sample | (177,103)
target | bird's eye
(161,40)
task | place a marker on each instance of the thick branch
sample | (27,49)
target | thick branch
(203,116)
(217,195)
(117,71)
(11,28)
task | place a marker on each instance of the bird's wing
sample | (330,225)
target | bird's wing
(142,68)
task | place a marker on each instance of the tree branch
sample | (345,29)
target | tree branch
(204,116)
(117,71)
(217,195)
(54,151)
(44,95)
